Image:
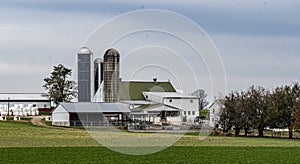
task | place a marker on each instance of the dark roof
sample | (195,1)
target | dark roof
(91,107)
(133,90)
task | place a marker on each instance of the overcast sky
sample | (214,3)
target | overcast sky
(258,40)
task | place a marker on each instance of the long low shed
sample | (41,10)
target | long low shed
(25,99)
(89,114)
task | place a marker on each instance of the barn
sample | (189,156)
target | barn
(90,114)
(19,104)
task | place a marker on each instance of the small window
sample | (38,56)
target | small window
(184,112)
(189,112)
(45,105)
(146,96)
(193,112)
(170,100)
(191,101)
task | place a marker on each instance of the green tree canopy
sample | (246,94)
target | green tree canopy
(58,87)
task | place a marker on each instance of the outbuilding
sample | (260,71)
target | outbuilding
(19,104)
(90,114)
(214,112)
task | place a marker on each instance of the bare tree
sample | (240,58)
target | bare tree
(200,93)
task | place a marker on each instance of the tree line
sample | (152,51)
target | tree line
(258,108)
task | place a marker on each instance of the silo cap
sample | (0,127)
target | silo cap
(84,50)
(98,60)
(112,52)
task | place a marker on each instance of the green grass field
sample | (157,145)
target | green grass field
(25,143)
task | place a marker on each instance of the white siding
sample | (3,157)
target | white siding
(152,97)
(188,105)
(60,116)
(214,113)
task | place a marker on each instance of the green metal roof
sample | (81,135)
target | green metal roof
(132,90)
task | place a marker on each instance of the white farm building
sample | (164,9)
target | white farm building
(158,102)
(214,112)
(89,114)
(23,104)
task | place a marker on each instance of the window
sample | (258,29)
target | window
(189,112)
(184,112)
(45,105)
(193,112)
(146,96)
(170,100)
(191,101)
(173,113)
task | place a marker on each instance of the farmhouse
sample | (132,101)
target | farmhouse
(158,102)
(89,114)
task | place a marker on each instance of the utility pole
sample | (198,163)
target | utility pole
(8,106)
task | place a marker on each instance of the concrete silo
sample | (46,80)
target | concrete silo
(85,75)
(111,75)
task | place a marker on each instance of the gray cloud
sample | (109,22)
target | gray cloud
(258,40)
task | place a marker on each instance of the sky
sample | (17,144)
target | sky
(258,41)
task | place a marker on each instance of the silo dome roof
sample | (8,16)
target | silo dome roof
(84,50)
(112,52)
(98,60)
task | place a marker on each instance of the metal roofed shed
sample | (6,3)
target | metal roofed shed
(89,114)
(26,99)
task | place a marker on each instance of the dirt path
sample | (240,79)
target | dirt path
(37,120)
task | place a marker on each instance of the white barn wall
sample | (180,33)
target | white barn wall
(60,117)
(214,113)
(189,105)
